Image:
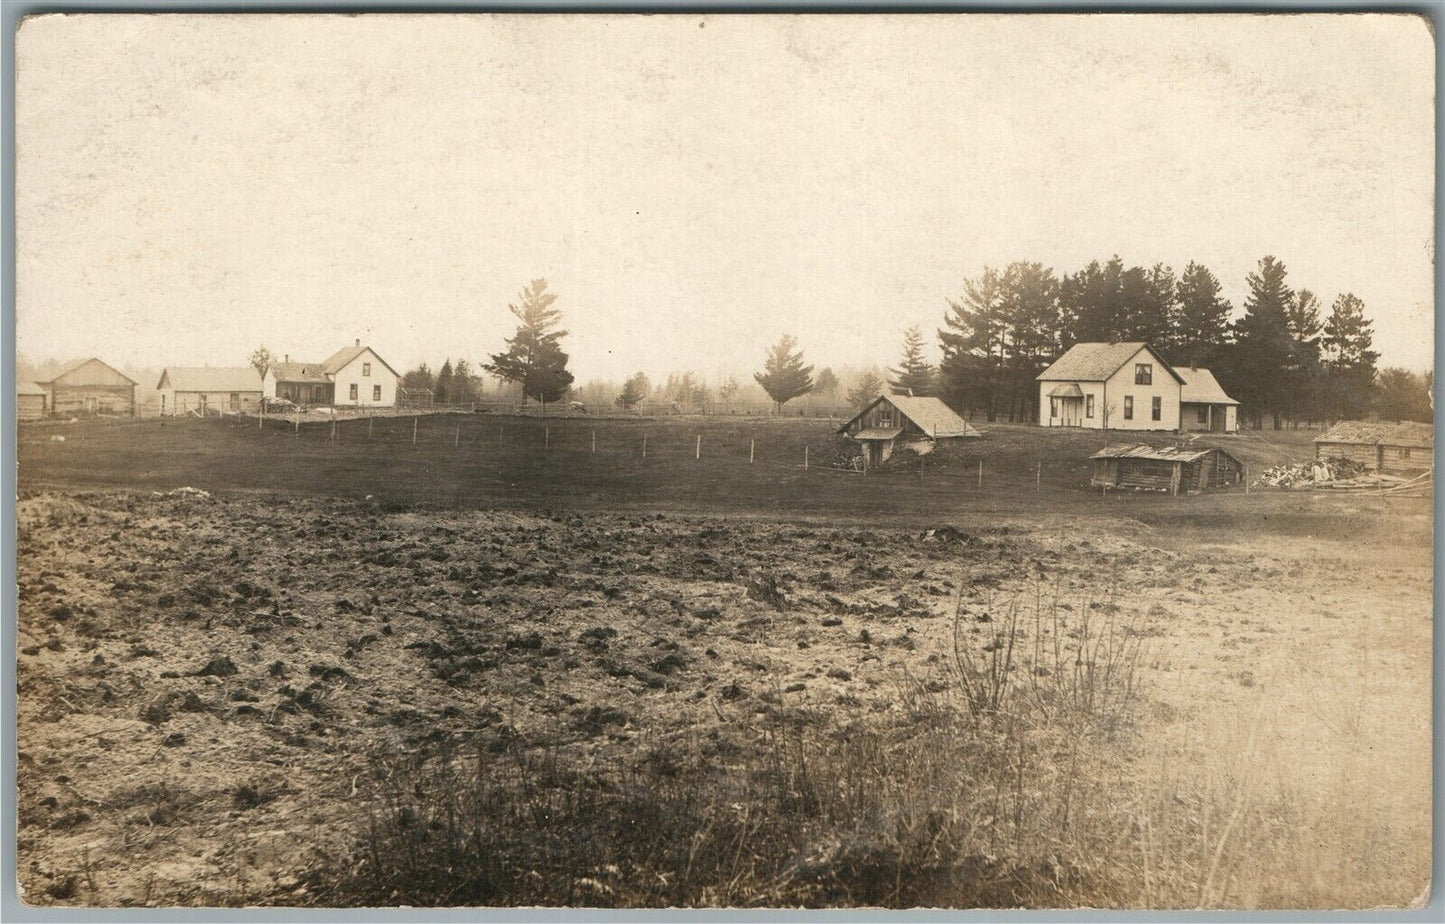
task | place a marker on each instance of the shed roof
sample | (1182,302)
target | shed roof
(1163,453)
(1370,433)
(210,378)
(1096,362)
(28,388)
(299,372)
(1071,390)
(930,415)
(75,364)
(1201,387)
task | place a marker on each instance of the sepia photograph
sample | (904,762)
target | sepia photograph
(720,461)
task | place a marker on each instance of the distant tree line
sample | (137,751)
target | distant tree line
(1280,359)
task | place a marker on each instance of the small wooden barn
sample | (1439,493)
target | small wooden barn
(89,386)
(893,420)
(1393,448)
(29,401)
(1170,469)
(208,390)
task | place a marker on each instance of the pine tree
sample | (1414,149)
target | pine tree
(1263,346)
(1030,309)
(784,377)
(634,390)
(868,388)
(914,375)
(1203,326)
(974,343)
(534,358)
(1090,304)
(826,383)
(443,392)
(1303,375)
(1348,358)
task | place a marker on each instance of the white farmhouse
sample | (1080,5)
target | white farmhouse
(1118,386)
(355,376)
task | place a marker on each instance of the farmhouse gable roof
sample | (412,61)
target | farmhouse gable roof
(1097,362)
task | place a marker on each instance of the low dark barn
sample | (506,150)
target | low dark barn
(1175,470)
(1398,448)
(89,386)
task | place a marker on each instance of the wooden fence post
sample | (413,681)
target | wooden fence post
(413,430)
(644,445)
(333,431)
(546,437)
(698,453)
(297,422)
(457,436)
(980,473)
(752,450)
(370,423)
(594,442)
(1039,477)
(805,457)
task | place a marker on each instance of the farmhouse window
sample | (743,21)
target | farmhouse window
(1128,407)
(1053,407)
(353,391)
(1157,409)
(1088,405)
(366,368)
(1143,373)
(1405,452)
(376,392)
(1203,413)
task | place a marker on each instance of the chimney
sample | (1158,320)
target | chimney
(288,358)
(358,341)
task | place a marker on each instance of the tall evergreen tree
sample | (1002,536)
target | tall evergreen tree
(1303,378)
(634,390)
(442,394)
(534,358)
(419,378)
(1203,326)
(826,382)
(1348,358)
(915,375)
(1263,346)
(870,386)
(1090,303)
(784,377)
(1031,311)
(974,342)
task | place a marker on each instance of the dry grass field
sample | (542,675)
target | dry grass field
(496,667)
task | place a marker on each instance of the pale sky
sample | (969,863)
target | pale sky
(692,186)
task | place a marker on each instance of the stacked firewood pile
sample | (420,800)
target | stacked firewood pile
(1308,474)
(1336,475)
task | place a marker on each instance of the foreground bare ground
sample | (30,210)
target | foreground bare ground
(206,684)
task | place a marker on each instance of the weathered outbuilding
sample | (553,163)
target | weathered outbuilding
(29,401)
(893,420)
(1169,469)
(89,386)
(208,390)
(1407,447)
